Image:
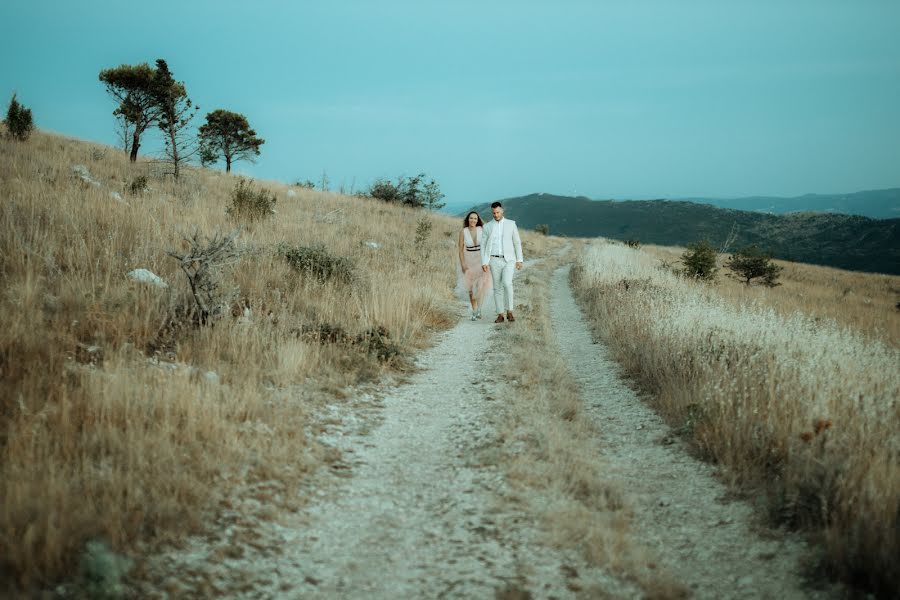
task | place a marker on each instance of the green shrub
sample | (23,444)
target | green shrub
(18,120)
(700,261)
(318,263)
(138,185)
(633,243)
(542,228)
(102,571)
(249,204)
(752,263)
(409,191)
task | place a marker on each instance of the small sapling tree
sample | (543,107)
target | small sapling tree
(752,263)
(699,261)
(228,135)
(18,120)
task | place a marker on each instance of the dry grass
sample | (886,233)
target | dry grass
(552,448)
(866,302)
(109,426)
(799,407)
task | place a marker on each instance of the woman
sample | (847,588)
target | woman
(472,278)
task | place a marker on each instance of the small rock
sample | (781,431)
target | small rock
(211,376)
(291,194)
(372,244)
(117,196)
(84,174)
(148,277)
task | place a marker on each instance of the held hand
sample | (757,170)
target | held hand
(519,266)
(485,268)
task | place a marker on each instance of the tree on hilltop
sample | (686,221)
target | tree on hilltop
(228,135)
(133,87)
(18,120)
(176,113)
(752,263)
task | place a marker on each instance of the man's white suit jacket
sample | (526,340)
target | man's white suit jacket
(512,245)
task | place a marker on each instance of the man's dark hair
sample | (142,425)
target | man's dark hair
(496,205)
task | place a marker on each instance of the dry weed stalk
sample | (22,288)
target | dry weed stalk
(202,264)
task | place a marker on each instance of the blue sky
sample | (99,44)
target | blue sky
(630,99)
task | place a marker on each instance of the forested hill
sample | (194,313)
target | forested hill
(845,241)
(876,204)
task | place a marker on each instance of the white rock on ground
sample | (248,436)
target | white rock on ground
(84,174)
(148,277)
(291,194)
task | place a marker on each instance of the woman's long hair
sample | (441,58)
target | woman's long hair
(466,220)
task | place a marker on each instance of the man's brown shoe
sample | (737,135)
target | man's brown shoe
(499,318)
(509,316)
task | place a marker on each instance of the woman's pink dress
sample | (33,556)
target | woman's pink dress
(475,279)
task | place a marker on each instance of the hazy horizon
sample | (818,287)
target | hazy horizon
(624,100)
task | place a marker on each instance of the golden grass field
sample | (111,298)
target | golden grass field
(112,426)
(125,421)
(794,388)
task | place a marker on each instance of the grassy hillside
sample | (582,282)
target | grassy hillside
(801,410)
(844,241)
(123,418)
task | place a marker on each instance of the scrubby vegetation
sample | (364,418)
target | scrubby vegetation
(409,191)
(249,203)
(699,261)
(19,121)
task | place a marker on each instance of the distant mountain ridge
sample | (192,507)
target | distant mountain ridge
(846,241)
(875,204)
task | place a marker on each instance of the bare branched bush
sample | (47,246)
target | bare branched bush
(201,264)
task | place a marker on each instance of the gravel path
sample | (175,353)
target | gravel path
(681,510)
(420,507)
(426,513)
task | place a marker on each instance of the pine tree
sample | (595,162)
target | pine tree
(18,120)
(228,135)
(752,263)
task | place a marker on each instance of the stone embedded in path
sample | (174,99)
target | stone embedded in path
(148,277)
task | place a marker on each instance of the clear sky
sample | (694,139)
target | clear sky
(608,99)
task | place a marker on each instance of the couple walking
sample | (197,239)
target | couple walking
(488,256)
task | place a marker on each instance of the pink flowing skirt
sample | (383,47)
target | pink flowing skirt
(474,280)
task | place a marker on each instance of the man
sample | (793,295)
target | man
(501,252)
